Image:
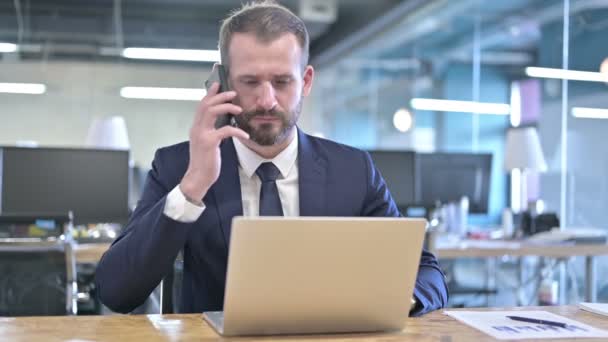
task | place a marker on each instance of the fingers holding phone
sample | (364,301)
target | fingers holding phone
(215,105)
(211,125)
(220,75)
(211,111)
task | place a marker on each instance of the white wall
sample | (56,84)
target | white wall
(79,91)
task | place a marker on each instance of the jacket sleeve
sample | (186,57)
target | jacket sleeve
(144,253)
(431,291)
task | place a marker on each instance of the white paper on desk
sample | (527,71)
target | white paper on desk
(497,325)
(597,308)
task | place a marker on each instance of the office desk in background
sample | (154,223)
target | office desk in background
(90,252)
(191,327)
(496,248)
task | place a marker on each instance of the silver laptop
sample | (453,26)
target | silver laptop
(308,275)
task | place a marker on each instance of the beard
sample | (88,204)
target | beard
(264,134)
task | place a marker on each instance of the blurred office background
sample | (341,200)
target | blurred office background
(381,67)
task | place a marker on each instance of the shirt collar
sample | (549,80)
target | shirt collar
(250,161)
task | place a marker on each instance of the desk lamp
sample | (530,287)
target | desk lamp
(109,133)
(523,152)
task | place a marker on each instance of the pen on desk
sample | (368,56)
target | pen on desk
(537,321)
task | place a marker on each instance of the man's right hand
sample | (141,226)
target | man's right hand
(205,158)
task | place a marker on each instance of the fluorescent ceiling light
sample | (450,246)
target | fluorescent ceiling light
(22,88)
(172,54)
(589,113)
(461,106)
(573,75)
(154,93)
(8,47)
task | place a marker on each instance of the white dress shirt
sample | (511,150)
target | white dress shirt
(180,209)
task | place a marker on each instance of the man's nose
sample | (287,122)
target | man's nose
(266,98)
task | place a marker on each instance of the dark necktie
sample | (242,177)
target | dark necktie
(270,202)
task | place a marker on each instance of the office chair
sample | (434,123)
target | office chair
(457,289)
(38,278)
(171,287)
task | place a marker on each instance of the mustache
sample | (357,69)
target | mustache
(260,112)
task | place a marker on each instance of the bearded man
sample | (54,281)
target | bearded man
(264,165)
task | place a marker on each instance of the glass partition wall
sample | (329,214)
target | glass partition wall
(519,64)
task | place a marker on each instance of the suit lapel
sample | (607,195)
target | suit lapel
(312,170)
(312,173)
(227,189)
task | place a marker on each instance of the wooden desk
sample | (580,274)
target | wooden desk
(149,328)
(484,249)
(492,249)
(90,252)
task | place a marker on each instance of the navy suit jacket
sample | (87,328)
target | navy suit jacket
(334,180)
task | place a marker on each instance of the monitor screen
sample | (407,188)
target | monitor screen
(447,177)
(397,169)
(93,184)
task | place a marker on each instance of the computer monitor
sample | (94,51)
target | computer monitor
(447,177)
(91,183)
(398,170)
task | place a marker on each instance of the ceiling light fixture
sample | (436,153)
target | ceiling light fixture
(23,88)
(172,54)
(8,47)
(589,113)
(402,120)
(155,93)
(461,106)
(572,75)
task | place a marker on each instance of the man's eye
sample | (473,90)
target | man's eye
(282,81)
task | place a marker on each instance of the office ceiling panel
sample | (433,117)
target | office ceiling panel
(84,29)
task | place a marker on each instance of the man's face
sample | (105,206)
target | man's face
(270,84)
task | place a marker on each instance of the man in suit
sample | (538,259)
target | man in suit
(263,166)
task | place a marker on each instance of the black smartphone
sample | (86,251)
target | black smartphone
(218,74)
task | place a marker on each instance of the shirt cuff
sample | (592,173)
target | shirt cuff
(178,208)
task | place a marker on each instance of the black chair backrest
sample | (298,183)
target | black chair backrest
(33,281)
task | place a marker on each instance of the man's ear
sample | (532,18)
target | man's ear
(309,75)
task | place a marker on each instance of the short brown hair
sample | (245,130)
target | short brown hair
(268,21)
